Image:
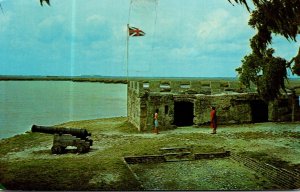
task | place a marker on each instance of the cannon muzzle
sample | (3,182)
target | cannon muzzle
(77,132)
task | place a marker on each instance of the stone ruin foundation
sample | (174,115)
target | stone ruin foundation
(174,155)
(187,103)
(181,168)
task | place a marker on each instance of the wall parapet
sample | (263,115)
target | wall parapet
(202,87)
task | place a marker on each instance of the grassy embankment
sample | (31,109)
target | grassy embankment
(31,166)
(27,163)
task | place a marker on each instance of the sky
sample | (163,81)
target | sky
(183,38)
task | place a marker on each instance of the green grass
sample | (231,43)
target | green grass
(44,171)
(27,163)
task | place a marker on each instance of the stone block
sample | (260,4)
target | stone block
(154,86)
(175,86)
(211,155)
(145,159)
(196,85)
(215,85)
(216,91)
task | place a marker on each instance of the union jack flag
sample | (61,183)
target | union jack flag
(135,32)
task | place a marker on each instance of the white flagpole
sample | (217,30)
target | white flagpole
(127,53)
(127,44)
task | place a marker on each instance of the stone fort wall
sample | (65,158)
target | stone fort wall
(234,103)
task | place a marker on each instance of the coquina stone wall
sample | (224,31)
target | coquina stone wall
(234,108)
(135,104)
(234,103)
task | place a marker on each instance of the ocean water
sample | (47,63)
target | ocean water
(24,103)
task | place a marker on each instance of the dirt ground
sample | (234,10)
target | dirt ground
(27,163)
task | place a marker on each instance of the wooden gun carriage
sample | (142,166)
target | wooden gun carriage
(64,137)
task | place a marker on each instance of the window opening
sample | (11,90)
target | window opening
(166,109)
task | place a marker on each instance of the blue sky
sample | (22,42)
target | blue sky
(184,38)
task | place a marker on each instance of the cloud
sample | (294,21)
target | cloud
(220,25)
(52,29)
(95,20)
(92,28)
(187,38)
(198,43)
(284,48)
(214,27)
(5,20)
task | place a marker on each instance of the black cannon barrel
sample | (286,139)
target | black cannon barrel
(78,132)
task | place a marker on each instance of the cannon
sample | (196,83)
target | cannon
(64,137)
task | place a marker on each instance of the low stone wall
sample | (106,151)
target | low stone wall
(145,159)
(176,156)
(212,155)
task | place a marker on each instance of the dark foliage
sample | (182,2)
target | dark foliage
(279,17)
(266,72)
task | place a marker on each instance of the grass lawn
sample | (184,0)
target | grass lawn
(27,163)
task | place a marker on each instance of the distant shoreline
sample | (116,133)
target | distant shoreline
(106,79)
(62,78)
(116,79)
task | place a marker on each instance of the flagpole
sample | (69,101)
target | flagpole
(127,42)
(127,53)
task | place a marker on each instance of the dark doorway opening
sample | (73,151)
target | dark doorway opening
(183,113)
(259,111)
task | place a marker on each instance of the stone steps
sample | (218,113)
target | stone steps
(283,178)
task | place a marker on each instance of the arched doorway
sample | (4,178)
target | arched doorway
(183,113)
(259,111)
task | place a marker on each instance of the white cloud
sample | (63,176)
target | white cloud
(221,25)
(189,37)
(5,20)
(95,20)
(53,29)
(51,22)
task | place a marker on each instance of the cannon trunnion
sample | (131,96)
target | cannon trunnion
(64,137)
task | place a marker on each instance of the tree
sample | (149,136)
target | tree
(41,1)
(268,73)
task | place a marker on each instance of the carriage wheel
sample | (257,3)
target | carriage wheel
(57,149)
(81,149)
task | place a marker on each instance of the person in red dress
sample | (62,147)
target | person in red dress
(213,120)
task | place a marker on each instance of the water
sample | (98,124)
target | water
(24,103)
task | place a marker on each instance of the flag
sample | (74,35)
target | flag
(135,32)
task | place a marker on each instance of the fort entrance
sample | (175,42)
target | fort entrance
(259,111)
(183,113)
